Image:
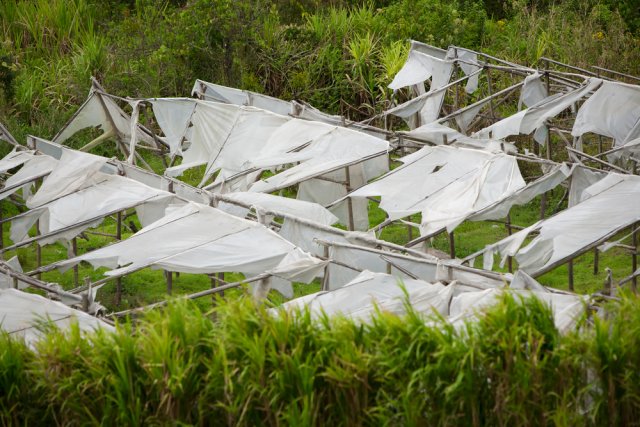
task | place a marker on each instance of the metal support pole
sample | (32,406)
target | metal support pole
(452,246)
(1,228)
(509,231)
(118,297)
(74,246)
(325,279)
(38,250)
(634,258)
(570,268)
(349,201)
(169,276)
(596,259)
(543,205)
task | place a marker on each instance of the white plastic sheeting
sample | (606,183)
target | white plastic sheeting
(196,238)
(613,111)
(469,306)
(445,184)
(35,167)
(228,95)
(14,159)
(76,191)
(235,140)
(21,313)
(533,118)
(607,206)
(418,68)
(436,133)
(370,292)
(101,111)
(268,202)
(174,117)
(546,182)
(7,281)
(533,90)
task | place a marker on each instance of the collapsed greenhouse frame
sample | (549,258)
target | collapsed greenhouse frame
(129,133)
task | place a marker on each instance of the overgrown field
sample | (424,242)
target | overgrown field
(339,55)
(238,365)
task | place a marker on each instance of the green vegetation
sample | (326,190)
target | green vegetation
(238,365)
(338,55)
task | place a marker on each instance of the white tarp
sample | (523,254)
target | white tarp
(6,281)
(228,95)
(608,205)
(22,312)
(533,118)
(196,238)
(76,191)
(268,202)
(418,68)
(101,111)
(236,139)
(613,111)
(174,117)
(445,184)
(14,159)
(34,167)
(370,292)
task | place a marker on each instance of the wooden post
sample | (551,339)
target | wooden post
(74,246)
(634,257)
(325,279)
(543,205)
(608,282)
(261,291)
(489,87)
(509,231)
(570,268)
(216,280)
(38,250)
(452,246)
(169,276)
(118,297)
(85,296)
(1,229)
(349,201)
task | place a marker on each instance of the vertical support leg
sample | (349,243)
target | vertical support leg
(570,268)
(326,278)
(452,246)
(38,250)
(490,89)
(509,231)
(261,291)
(634,258)
(1,228)
(118,297)
(349,201)
(543,205)
(169,276)
(596,259)
(74,247)
(409,229)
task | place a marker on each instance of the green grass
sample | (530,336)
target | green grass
(238,365)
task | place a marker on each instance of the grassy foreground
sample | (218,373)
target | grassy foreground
(237,365)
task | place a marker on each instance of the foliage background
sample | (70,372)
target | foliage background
(339,55)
